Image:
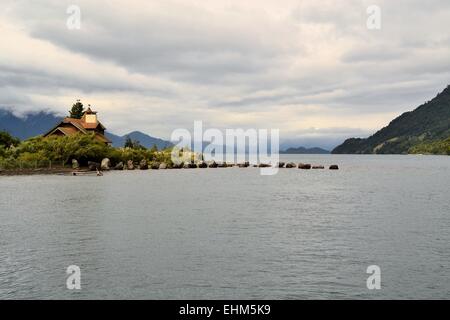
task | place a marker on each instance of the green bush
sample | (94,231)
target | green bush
(40,151)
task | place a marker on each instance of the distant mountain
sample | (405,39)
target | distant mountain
(144,139)
(428,124)
(303,150)
(35,124)
(29,126)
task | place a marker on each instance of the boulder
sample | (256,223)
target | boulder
(93,166)
(119,166)
(106,164)
(202,164)
(222,165)
(264,165)
(130,165)
(213,165)
(281,164)
(155,165)
(244,165)
(190,166)
(163,166)
(143,165)
(75,164)
(305,166)
(318,167)
(178,165)
(334,167)
(291,165)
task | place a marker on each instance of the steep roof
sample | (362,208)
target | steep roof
(78,125)
(82,124)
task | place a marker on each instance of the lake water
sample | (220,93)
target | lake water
(230,233)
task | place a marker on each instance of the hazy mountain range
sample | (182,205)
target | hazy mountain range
(429,124)
(35,124)
(303,150)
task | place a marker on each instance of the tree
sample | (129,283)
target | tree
(128,143)
(133,144)
(77,110)
(154,149)
(6,140)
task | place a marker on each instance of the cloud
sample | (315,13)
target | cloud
(160,65)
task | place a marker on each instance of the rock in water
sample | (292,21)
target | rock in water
(291,165)
(130,165)
(119,166)
(106,164)
(155,165)
(334,167)
(178,165)
(190,166)
(304,166)
(318,167)
(163,166)
(281,164)
(202,164)
(75,164)
(143,165)
(213,165)
(246,164)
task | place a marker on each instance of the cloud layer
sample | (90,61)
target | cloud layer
(310,68)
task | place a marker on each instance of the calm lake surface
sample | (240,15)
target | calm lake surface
(230,233)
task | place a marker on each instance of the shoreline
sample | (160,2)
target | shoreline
(87,170)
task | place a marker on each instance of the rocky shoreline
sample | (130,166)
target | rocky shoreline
(106,165)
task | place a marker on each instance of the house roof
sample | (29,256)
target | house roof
(67,130)
(81,124)
(78,125)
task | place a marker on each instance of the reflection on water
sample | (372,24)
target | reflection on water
(231,233)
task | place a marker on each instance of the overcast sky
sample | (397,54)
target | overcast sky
(310,68)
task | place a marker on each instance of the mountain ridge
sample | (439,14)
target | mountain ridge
(428,123)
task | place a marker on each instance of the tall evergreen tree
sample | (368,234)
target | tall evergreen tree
(129,143)
(77,110)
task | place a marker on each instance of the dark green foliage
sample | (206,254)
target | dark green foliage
(429,122)
(132,144)
(82,147)
(433,147)
(128,143)
(154,148)
(6,140)
(77,110)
